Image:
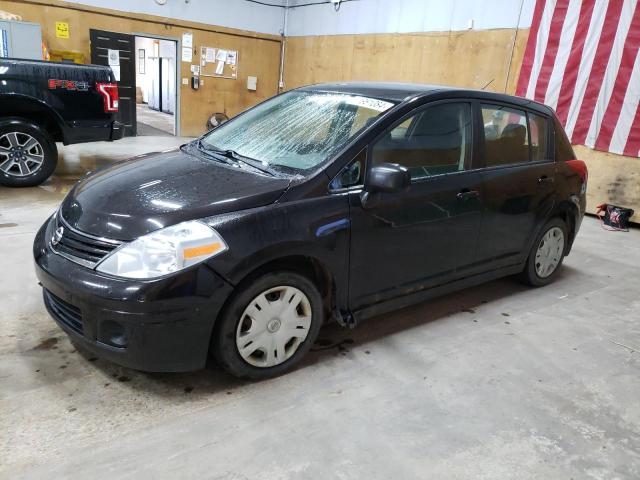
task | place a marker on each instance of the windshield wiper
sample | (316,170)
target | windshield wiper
(217,153)
(236,157)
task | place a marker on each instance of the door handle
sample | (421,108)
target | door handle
(466,194)
(545,179)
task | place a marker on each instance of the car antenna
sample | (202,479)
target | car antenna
(490,82)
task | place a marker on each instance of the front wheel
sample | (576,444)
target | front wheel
(546,254)
(28,155)
(268,326)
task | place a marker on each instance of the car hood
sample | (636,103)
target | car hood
(135,197)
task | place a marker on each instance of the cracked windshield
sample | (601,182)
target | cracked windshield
(298,129)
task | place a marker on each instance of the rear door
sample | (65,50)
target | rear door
(518,181)
(103,41)
(407,241)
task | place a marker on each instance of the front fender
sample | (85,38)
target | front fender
(317,228)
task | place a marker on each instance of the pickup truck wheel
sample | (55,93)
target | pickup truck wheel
(268,326)
(28,155)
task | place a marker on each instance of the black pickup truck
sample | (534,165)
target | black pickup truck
(46,102)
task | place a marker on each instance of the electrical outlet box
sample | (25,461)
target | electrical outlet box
(185,81)
(252,83)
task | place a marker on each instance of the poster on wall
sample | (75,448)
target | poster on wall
(210,55)
(187,39)
(116,71)
(187,54)
(221,56)
(62,30)
(114,57)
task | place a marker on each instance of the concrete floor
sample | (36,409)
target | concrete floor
(152,122)
(494,382)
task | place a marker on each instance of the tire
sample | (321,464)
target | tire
(539,270)
(25,167)
(237,326)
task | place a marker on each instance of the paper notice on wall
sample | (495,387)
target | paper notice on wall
(187,39)
(210,55)
(116,72)
(114,57)
(220,67)
(187,54)
(221,56)
(195,69)
(232,57)
(62,30)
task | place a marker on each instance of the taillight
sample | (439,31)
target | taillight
(109,92)
(580,168)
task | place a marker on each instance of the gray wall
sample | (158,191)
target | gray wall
(361,16)
(227,13)
(403,16)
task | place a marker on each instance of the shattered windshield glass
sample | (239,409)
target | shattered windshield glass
(298,129)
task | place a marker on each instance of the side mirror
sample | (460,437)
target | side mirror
(388,178)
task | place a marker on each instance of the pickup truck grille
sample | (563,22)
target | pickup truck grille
(80,247)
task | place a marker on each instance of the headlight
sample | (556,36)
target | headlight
(164,251)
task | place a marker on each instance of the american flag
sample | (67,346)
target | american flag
(582,59)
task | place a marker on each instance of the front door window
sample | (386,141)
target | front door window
(434,141)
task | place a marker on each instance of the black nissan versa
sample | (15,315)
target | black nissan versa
(335,201)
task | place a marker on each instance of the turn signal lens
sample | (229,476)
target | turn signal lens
(203,251)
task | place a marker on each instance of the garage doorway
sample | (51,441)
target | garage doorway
(156,85)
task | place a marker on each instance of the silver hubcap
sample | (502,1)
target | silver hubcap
(549,252)
(273,326)
(20,154)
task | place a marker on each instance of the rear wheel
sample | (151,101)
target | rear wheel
(268,326)
(546,254)
(28,155)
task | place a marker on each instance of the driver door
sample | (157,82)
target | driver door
(406,241)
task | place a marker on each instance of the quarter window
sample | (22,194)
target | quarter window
(351,175)
(539,137)
(434,141)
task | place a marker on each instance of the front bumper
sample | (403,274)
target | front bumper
(161,325)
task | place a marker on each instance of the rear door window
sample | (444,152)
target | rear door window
(506,135)
(513,136)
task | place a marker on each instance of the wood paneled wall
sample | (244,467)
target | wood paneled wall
(612,179)
(467,59)
(471,58)
(258,54)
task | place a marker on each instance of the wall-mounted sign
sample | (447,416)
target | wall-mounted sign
(187,39)
(187,54)
(114,57)
(62,30)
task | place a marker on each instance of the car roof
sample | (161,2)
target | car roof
(392,91)
(399,92)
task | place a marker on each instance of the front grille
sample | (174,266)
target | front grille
(63,312)
(81,248)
